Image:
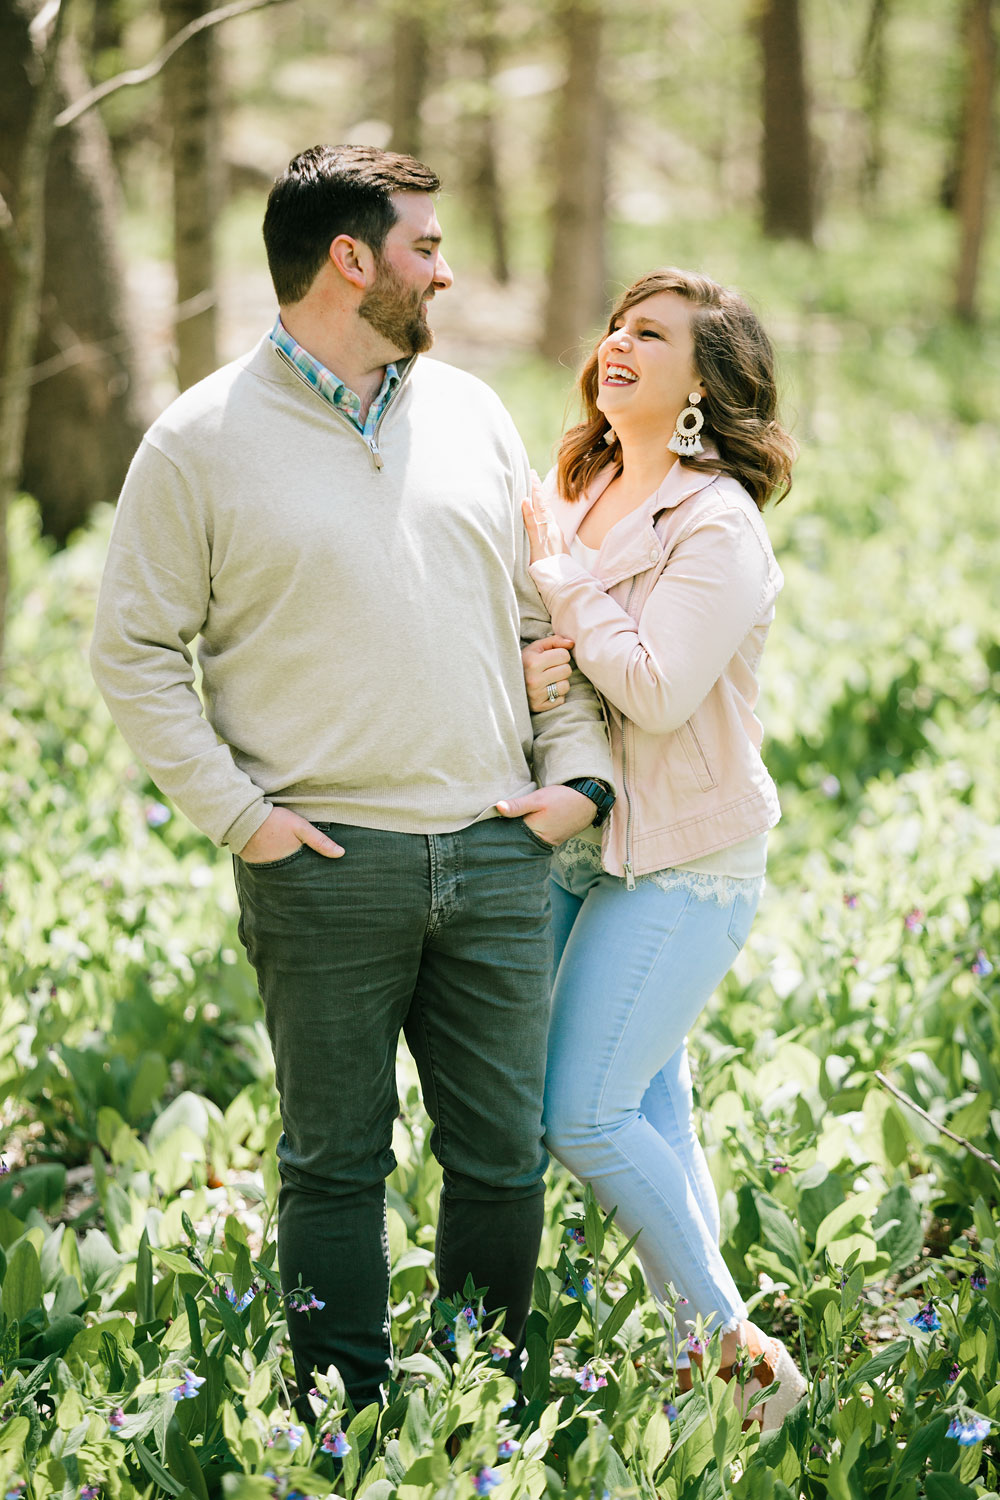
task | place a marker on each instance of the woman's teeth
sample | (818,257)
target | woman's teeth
(620,375)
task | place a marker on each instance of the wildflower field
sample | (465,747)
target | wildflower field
(143,1339)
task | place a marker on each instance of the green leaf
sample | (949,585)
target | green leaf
(157,1473)
(779,1232)
(242,1270)
(145,1310)
(22,1286)
(870,1369)
(918,1450)
(902,1241)
(593,1223)
(945,1486)
(618,1315)
(182,1461)
(858,1206)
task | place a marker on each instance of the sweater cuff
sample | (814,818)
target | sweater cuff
(243,829)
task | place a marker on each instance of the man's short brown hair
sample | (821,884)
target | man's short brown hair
(331,190)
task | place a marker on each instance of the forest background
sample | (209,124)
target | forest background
(834,161)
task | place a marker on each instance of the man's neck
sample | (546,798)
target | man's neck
(355,361)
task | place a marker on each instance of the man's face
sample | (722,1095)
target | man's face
(409,271)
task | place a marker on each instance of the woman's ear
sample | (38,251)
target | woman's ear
(353,260)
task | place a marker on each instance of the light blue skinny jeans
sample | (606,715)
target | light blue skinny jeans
(633,970)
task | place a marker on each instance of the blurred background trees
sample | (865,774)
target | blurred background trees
(578,143)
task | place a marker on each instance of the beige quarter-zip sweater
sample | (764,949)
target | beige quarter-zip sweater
(359,605)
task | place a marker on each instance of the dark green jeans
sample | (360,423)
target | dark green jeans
(446,938)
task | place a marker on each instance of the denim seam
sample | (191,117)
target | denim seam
(695,1252)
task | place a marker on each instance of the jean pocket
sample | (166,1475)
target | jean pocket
(538,840)
(276,864)
(740,921)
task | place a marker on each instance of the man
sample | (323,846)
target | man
(339,521)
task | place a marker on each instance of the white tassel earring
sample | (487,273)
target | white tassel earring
(685,440)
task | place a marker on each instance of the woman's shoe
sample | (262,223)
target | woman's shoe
(790,1392)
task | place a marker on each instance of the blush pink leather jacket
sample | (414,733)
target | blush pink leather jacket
(671,634)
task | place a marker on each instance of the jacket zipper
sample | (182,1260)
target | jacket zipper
(629,875)
(371,443)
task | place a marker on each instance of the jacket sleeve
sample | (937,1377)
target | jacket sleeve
(154,600)
(571,740)
(706,601)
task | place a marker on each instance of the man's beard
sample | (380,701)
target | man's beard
(396,312)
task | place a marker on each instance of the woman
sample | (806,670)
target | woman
(649,551)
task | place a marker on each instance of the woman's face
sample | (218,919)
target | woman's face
(645,366)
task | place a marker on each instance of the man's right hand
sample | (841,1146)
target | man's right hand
(280,834)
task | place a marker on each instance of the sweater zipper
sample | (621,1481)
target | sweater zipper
(371,443)
(629,875)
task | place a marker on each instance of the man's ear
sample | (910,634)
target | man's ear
(353,260)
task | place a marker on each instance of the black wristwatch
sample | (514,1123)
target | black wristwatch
(599,793)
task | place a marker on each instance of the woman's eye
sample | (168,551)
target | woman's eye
(649,333)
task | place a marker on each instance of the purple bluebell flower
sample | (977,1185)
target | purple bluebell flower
(586,1283)
(576,1234)
(90,1492)
(157,814)
(926,1318)
(914,920)
(779,1166)
(850,900)
(695,1345)
(472,1322)
(241,1303)
(4,1169)
(498,1352)
(670,1411)
(968,1430)
(981,965)
(978,1280)
(954,1373)
(15,1489)
(486,1480)
(507,1447)
(335,1443)
(116,1421)
(188,1387)
(589,1380)
(301,1305)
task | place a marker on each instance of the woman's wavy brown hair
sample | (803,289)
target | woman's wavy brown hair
(735,361)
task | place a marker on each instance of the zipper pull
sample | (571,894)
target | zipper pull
(629,877)
(376,455)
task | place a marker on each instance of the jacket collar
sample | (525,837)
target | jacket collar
(633,545)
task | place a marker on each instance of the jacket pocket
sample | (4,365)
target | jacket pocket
(696,757)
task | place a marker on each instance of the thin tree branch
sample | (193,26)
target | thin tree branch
(943,1129)
(143,75)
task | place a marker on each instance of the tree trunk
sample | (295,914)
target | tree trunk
(977,148)
(484,177)
(787,154)
(410,54)
(85,414)
(576,300)
(873,72)
(190,95)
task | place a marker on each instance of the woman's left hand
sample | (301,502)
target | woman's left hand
(543,533)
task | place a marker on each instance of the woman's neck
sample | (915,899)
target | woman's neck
(644,465)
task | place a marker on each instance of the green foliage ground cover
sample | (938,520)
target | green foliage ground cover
(139,1122)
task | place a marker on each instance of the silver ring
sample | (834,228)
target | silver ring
(552,693)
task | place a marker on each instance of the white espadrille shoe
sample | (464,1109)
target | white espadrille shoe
(791,1388)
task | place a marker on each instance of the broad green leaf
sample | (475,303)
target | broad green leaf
(858,1206)
(22,1286)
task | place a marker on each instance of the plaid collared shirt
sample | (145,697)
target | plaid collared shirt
(330,387)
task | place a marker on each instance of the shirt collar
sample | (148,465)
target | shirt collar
(322,377)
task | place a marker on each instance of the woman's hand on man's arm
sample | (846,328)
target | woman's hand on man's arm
(547,665)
